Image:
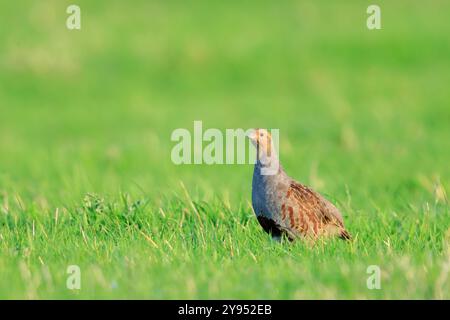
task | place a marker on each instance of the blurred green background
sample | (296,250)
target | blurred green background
(364,116)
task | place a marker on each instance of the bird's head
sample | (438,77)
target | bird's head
(267,158)
(262,140)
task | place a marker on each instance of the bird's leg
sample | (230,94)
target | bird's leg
(276,238)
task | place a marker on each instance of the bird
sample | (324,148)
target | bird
(285,207)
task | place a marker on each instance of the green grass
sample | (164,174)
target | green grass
(85,170)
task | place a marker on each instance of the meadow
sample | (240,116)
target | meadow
(86,176)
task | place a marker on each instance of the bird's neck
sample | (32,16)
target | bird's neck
(268,167)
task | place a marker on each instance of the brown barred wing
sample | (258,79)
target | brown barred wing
(310,213)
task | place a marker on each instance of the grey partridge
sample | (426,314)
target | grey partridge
(286,207)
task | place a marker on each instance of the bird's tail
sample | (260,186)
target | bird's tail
(345,235)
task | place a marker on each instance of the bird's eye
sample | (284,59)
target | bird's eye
(261,134)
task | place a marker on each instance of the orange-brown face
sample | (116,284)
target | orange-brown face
(262,140)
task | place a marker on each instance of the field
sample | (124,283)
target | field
(86,176)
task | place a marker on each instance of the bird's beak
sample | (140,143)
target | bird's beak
(252,135)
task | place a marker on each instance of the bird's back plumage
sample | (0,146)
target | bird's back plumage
(284,206)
